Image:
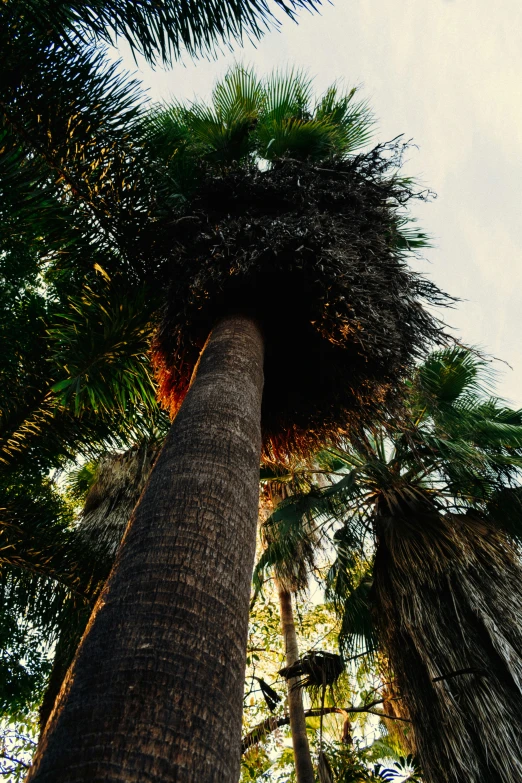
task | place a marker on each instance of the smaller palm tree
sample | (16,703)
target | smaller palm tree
(443,585)
(428,566)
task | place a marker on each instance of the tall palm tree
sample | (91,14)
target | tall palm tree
(296,235)
(444,585)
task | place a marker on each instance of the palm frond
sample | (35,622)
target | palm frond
(447,375)
(290,540)
(102,343)
(71,170)
(160,30)
(351,121)
(24,664)
(239,93)
(295,137)
(408,237)
(287,95)
(269,119)
(348,587)
(80,480)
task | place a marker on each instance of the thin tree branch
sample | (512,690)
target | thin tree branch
(262,649)
(272,723)
(391,717)
(14,760)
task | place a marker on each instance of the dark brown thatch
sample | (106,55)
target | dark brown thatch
(447,597)
(315,670)
(312,252)
(109,503)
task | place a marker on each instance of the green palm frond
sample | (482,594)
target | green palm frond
(160,30)
(99,342)
(351,121)
(102,344)
(287,95)
(226,139)
(250,119)
(239,93)
(38,543)
(447,375)
(408,237)
(294,137)
(24,664)
(294,532)
(80,480)
(47,582)
(49,579)
(71,169)
(290,543)
(348,586)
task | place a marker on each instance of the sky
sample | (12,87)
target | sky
(448,75)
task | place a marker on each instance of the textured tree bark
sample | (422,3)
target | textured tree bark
(303,761)
(155,692)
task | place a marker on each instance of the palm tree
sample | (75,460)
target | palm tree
(439,596)
(323,223)
(444,585)
(290,576)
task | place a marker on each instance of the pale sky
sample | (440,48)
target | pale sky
(448,74)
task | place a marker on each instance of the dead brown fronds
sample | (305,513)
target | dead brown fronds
(315,255)
(315,670)
(447,596)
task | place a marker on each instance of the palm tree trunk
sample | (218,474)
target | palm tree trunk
(303,761)
(446,598)
(155,692)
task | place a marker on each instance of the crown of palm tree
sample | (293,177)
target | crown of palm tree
(251,119)
(309,243)
(182,197)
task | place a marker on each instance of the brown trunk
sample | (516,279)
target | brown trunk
(446,599)
(155,692)
(303,761)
